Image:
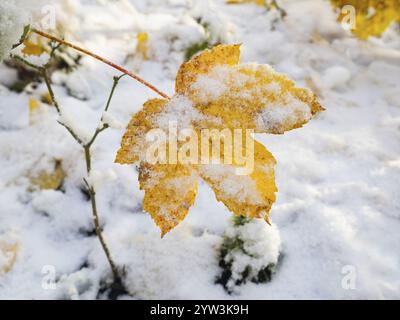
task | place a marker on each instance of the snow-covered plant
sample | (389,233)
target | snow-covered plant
(215,28)
(250,252)
(213,90)
(85,141)
(196,47)
(13,21)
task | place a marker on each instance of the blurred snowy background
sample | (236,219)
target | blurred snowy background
(336,222)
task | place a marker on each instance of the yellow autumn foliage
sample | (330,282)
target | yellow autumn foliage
(50,180)
(33,47)
(33,108)
(221,94)
(372,17)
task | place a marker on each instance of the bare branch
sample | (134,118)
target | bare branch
(111,64)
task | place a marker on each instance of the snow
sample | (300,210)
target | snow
(39,60)
(338,203)
(179,112)
(232,185)
(109,119)
(210,88)
(70,114)
(12,22)
(336,76)
(261,248)
(291,110)
(234,83)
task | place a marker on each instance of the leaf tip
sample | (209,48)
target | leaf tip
(267,220)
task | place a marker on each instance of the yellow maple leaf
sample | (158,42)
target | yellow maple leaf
(216,95)
(372,17)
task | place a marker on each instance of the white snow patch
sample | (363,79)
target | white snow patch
(12,22)
(336,76)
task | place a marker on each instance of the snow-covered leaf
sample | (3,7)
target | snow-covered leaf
(214,91)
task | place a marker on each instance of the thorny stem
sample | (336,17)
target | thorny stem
(115,66)
(88,158)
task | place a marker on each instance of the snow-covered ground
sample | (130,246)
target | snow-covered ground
(338,205)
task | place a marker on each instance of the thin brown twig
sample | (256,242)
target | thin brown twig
(115,66)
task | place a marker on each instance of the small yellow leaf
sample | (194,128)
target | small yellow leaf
(261,3)
(372,17)
(142,48)
(33,48)
(50,180)
(8,256)
(33,108)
